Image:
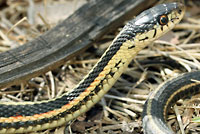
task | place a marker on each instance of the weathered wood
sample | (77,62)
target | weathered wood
(67,39)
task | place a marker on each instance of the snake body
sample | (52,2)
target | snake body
(155,109)
(136,34)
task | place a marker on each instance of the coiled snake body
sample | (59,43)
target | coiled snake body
(136,34)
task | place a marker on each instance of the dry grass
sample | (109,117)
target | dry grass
(120,110)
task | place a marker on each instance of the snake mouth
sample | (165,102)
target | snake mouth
(178,14)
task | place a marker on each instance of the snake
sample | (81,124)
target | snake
(139,32)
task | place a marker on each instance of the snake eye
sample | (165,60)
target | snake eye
(163,19)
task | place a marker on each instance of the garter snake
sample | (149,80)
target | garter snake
(136,34)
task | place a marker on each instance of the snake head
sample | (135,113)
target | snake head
(155,22)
